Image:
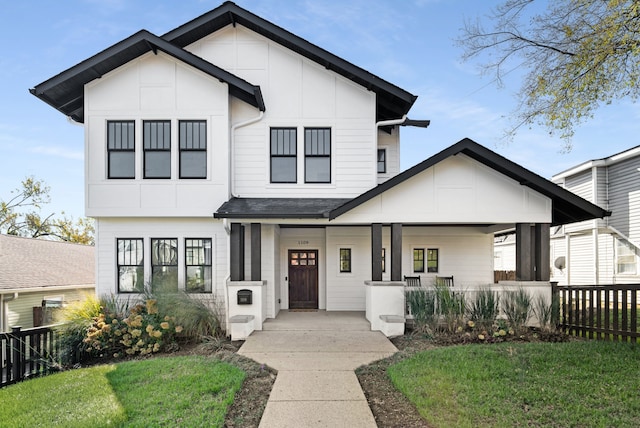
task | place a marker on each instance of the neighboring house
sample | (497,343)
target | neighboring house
(36,270)
(231,155)
(601,251)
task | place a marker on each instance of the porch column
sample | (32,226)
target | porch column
(542,251)
(396,252)
(524,252)
(237,252)
(376,252)
(256,252)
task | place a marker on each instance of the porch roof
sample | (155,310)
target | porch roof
(567,207)
(310,208)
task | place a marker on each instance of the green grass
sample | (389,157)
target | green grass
(586,384)
(174,391)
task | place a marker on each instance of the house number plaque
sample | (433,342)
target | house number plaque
(303,242)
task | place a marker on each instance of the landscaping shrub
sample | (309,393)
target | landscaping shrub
(422,305)
(484,308)
(196,318)
(517,307)
(451,305)
(73,322)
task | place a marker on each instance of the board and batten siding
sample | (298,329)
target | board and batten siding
(299,94)
(155,87)
(108,230)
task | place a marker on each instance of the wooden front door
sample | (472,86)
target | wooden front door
(303,279)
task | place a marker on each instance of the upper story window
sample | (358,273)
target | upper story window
(317,155)
(382,160)
(193,149)
(130,266)
(121,149)
(283,155)
(157,148)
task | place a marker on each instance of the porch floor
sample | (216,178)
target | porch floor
(316,354)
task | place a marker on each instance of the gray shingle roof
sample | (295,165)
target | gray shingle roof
(278,207)
(31,263)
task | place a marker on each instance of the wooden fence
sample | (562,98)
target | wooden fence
(28,353)
(603,312)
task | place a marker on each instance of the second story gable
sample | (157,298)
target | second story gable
(226,105)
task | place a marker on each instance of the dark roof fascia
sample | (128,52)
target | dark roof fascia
(124,51)
(564,201)
(393,102)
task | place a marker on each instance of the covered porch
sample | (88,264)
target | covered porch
(452,202)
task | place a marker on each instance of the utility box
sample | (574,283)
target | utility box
(245,297)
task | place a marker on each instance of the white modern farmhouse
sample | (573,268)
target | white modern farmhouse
(236,161)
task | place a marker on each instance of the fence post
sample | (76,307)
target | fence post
(555,304)
(16,357)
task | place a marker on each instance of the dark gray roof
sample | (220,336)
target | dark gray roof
(65,91)
(290,208)
(567,206)
(392,101)
(27,263)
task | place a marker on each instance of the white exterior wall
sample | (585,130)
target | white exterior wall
(581,260)
(155,87)
(108,230)
(298,93)
(391,144)
(456,190)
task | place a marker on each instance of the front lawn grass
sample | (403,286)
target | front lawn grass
(191,391)
(586,384)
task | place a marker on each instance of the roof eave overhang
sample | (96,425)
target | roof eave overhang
(392,101)
(70,83)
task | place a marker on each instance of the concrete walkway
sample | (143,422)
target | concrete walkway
(316,354)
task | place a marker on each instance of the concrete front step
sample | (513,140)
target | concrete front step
(318,321)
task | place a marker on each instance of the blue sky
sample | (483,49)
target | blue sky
(409,43)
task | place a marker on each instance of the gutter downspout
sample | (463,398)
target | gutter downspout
(227,229)
(232,145)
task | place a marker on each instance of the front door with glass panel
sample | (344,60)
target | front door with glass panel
(303,279)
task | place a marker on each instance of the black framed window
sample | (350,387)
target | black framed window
(121,149)
(418,259)
(130,265)
(284,143)
(382,160)
(193,148)
(345,259)
(432,260)
(317,155)
(198,265)
(156,135)
(164,264)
